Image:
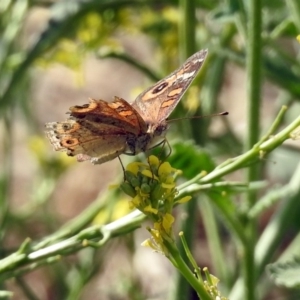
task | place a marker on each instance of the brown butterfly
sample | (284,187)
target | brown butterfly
(100,131)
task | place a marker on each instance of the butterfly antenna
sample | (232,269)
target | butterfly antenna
(223,113)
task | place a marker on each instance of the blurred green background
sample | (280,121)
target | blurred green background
(56,54)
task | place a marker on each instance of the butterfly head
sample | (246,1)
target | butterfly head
(146,140)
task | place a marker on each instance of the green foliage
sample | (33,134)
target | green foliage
(245,207)
(191,156)
(287,273)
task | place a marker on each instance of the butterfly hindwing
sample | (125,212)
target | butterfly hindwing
(105,143)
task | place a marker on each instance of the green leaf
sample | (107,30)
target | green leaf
(190,158)
(286,274)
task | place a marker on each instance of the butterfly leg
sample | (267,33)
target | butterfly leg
(124,174)
(150,167)
(163,143)
(169,146)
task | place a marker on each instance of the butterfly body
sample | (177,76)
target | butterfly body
(100,131)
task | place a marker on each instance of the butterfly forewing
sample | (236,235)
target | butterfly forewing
(157,102)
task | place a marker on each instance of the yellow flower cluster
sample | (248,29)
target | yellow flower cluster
(153,191)
(149,184)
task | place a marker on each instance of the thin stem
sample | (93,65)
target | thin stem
(254,84)
(214,241)
(26,289)
(294,6)
(274,233)
(179,263)
(187,28)
(11,265)
(6,174)
(262,147)
(280,222)
(131,61)
(83,239)
(189,255)
(187,47)
(253,109)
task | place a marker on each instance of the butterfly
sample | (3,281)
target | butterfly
(101,131)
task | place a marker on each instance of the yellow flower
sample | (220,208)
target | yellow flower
(137,201)
(150,209)
(153,160)
(168,185)
(133,167)
(164,170)
(156,241)
(184,199)
(148,173)
(167,222)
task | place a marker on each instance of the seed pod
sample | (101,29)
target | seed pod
(128,189)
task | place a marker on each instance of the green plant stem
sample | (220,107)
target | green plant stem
(214,241)
(253,109)
(16,11)
(280,222)
(190,256)
(187,47)
(187,28)
(275,124)
(214,74)
(28,292)
(179,263)
(133,62)
(277,69)
(286,192)
(42,251)
(279,138)
(286,216)
(6,294)
(75,225)
(29,268)
(6,174)
(254,154)
(232,185)
(57,27)
(83,239)
(294,6)
(254,84)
